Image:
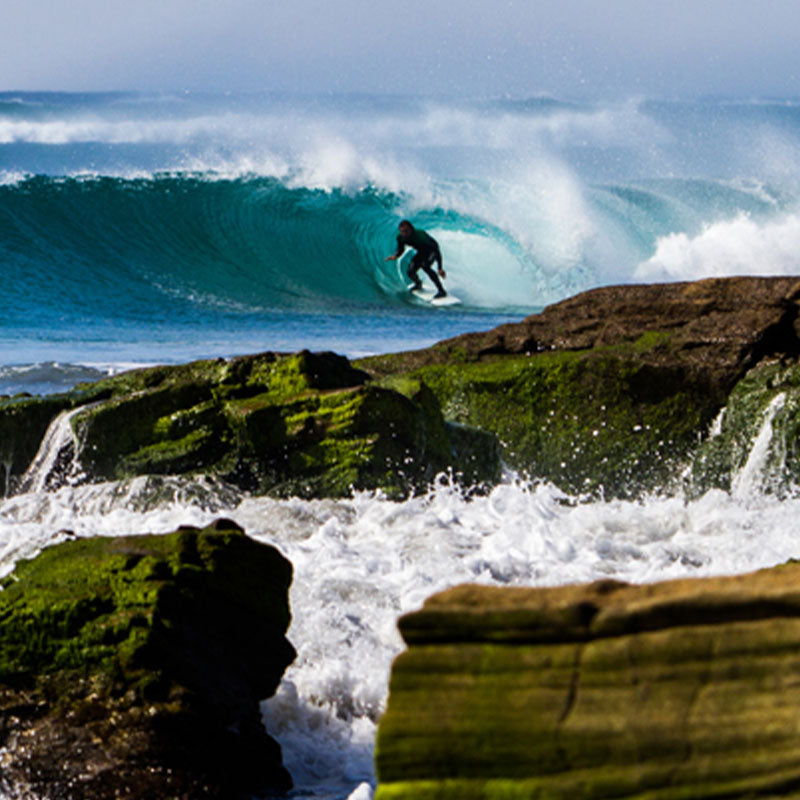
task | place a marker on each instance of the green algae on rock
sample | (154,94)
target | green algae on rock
(134,666)
(609,392)
(754,445)
(303,424)
(601,420)
(683,689)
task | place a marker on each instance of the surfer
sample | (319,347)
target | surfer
(427,253)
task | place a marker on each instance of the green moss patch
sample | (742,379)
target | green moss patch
(610,420)
(136,665)
(100,603)
(302,423)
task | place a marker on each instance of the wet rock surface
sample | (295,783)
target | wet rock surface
(610,392)
(134,666)
(305,424)
(680,689)
(721,325)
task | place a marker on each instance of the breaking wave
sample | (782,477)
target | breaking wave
(146,207)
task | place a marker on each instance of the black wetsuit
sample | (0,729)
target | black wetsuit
(427,254)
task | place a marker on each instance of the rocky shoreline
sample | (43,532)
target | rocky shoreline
(610,392)
(682,689)
(305,424)
(616,392)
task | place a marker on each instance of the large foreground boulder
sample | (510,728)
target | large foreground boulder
(303,424)
(684,689)
(609,391)
(133,667)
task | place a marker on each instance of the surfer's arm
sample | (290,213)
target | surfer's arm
(397,253)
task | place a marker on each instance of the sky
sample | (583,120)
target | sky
(565,48)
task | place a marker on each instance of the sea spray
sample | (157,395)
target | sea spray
(56,461)
(362,562)
(750,479)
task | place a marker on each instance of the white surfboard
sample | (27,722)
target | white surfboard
(429,296)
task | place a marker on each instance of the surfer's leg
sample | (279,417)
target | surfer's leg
(431,273)
(413,269)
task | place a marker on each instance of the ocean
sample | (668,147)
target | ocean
(159,228)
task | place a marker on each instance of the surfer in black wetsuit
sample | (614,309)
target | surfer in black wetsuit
(427,253)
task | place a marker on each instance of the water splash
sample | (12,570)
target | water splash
(750,480)
(360,563)
(55,463)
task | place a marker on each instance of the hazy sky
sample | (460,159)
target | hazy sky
(569,48)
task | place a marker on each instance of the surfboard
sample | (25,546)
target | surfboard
(429,296)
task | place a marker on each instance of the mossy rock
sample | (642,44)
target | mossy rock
(610,391)
(306,424)
(755,444)
(134,666)
(668,691)
(611,420)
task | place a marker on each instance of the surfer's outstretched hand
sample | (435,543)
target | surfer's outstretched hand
(442,273)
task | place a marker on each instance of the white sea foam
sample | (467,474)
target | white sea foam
(739,246)
(750,479)
(431,124)
(116,131)
(12,177)
(360,563)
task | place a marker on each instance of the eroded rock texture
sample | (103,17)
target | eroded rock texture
(304,424)
(610,391)
(683,689)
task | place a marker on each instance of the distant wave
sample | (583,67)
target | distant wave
(46,377)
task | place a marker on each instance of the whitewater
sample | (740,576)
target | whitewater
(143,228)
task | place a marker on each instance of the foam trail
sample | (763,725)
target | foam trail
(360,563)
